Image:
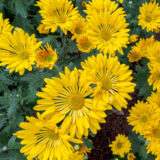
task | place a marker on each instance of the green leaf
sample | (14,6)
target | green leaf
(13,144)
(141,78)
(21,8)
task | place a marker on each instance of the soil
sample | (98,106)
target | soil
(115,124)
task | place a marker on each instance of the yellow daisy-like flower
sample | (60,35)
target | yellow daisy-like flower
(108,32)
(154,99)
(96,7)
(18,51)
(46,57)
(133,38)
(145,44)
(121,145)
(5,27)
(142,115)
(42,30)
(149,17)
(78,27)
(85,43)
(131,156)
(57,13)
(152,135)
(135,54)
(44,140)
(67,99)
(111,80)
(154,78)
(154,55)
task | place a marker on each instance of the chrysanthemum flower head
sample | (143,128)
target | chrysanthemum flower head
(96,7)
(111,80)
(142,115)
(44,140)
(85,43)
(18,51)
(5,27)
(135,54)
(121,145)
(149,17)
(46,57)
(42,30)
(67,99)
(154,78)
(78,27)
(154,54)
(57,13)
(145,44)
(133,38)
(152,135)
(154,99)
(109,32)
(131,156)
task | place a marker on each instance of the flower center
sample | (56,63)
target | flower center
(76,101)
(61,19)
(119,145)
(143,118)
(106,84)
(156,133)
(77,30)
(24,55)
(106,35)
(49,58)
(53,135)
(148,19)
(86,45)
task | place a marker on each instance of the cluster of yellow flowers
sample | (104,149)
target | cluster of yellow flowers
(75,103)
(19,51)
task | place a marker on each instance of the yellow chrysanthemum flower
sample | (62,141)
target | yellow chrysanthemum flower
(44,140)
(46,57)
(96,7)
(42,30)
(78,27)
(85,43)
(111,80)
(135,54)
(131,156)
(154,78)
(57,13)
(154,99)
(133,38)
(121,145)
(154,54)
(67,99)
(145,44)
(152,135)
(142,115)
(18,51)
(108,32)
(5,27)
(149,17)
